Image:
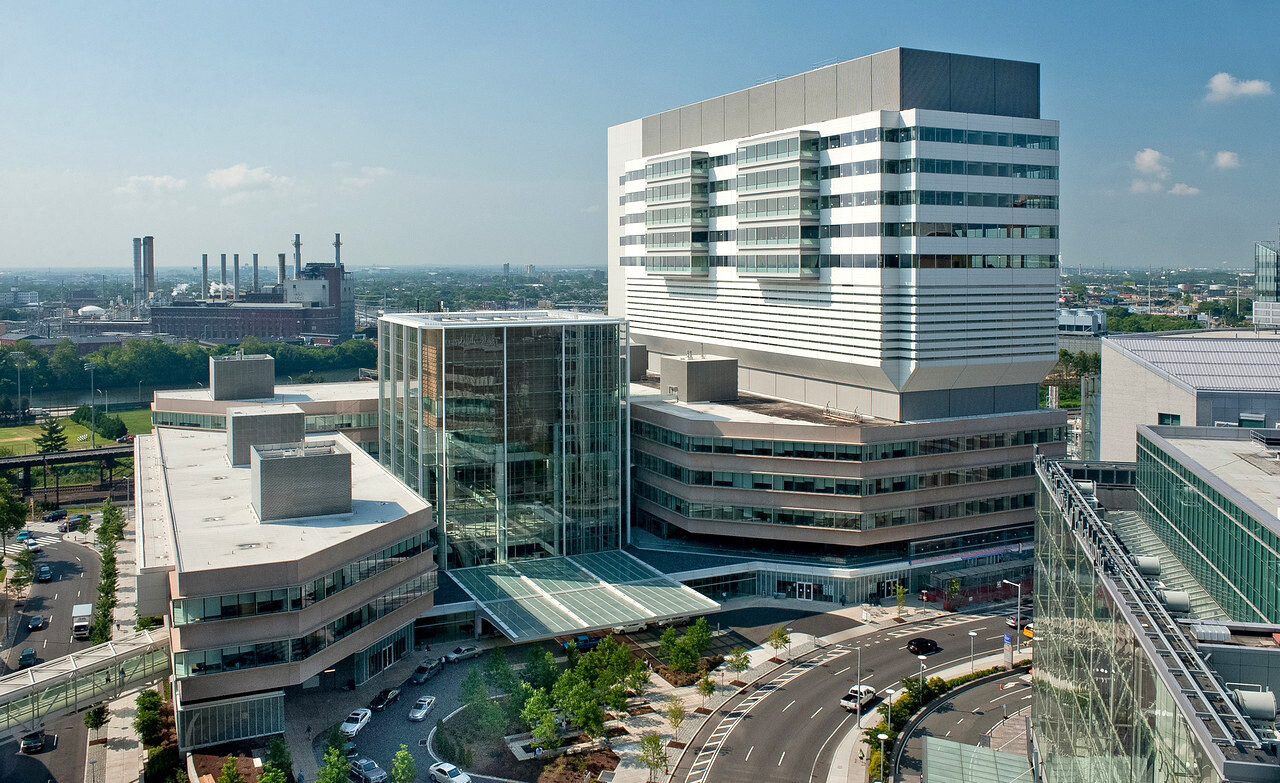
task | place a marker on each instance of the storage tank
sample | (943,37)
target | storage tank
(1256,705)
(1147,565)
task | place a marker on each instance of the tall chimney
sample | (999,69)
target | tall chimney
(280,274)
(222,289)
(235,276)
(137,271)
(204,275)
(255,273)
(149,262)
(297,256)
(337,250)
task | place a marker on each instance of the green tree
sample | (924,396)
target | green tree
(84,526)
(473,691)
(578,700)
(272,774)
(901,591)
(706,688)
(653,754)
(230,774)
(675,711)
(403,768)
(95,717)
(149,725)
(539,716)
(498,673)
(667,643)
(335,766)
(278,755)
(18,580)
(13,513)
(739,661)
(52,437)
(540,668)
(777,639)
(24,561)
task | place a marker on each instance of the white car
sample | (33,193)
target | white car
(355,721)
(33,547)
(859,696)
(632,628)
(421,707)
(444,772)
(462,653)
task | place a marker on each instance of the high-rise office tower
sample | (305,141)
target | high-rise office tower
(879,235)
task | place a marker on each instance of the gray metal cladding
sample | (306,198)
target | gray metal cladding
(690,126)
(735,117)
(973,84)
(820,94)
(761,117)
(926,78)
(712,120)
(670,130)
(1017,88)
(651,135)
(886,87)
(788,109)
(853,87)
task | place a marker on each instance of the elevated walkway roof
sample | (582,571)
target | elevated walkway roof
(547,597)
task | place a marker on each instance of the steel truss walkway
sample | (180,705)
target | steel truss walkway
(82,679)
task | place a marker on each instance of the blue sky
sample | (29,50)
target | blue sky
(475,132)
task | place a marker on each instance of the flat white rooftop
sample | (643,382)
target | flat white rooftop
(1248,467)
(292,393)
(197,510)
(483,318)
(747,409)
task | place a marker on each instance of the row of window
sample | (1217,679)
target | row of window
(825,485)
(777,235)
(298,597)
(200,662)
(675,168)
(972,168)
(895,261)
(316,423)
(772,179)
(675,191)
(770,264)
(671,215)
(781,149)
(942,198)
(782,206)
(847,452)
(841,520)
(676,239)
(1029,141)
(674,264)
(933,229)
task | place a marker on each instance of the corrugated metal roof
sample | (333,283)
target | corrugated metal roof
(1225,364)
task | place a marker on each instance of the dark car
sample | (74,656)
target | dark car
(33,742)
(922,646)
(384,699)
(55,515)
(35,623)
(44,574)
(27,658)
(425,671)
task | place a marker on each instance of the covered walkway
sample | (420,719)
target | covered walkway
(82,679)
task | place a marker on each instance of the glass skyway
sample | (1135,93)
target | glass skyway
(81,679)
(547,597)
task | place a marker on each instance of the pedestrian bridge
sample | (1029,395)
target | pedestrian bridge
(82,679)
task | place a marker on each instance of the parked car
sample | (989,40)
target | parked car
(27,658)
(66,526)
(125,439)
(33,547)
(367,771)
(859,696)
(421,707)
(55,515)
(583,642)
(444,772)
(1012,620)
(24,535)
(44,574)
(429,668)
(632,628)
(462,653)
(385,698)
(35,623)
(921,646)
(349,751)
(33,742)
(357,720)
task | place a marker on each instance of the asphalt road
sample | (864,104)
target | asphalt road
(76,570)
(969,716)
(791,735)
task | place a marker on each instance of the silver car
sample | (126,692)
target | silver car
(421,708)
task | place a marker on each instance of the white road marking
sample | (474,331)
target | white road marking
(815,713)
(960,721)
(997,636)
(869,676)
(842,671)
(780,758)
(784,709)
(948,734)
(748,756)
(77,558)
(55,596)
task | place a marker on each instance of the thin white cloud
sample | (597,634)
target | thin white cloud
(368,175)
(1183,189)
(150,185)
(1225,87)
(242,178)
(591,208)
(1142,186)
(1226,160)
(1151,163)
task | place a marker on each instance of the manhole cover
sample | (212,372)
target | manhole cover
(422,743)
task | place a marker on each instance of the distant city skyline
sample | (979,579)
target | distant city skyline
(422,132)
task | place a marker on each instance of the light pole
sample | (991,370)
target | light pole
(922,660)
(882,738)
(972,635)
(859,685)
(788,644)
(139,392)
(1017,628)
(93,414)
(93,770)
(106,399)
(18,357)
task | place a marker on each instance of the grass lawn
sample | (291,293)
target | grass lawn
(138,422)
(20,440)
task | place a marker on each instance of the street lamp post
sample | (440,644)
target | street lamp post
(922,660)
(93,415)
(882,738)
(106,399)
(972,635)
(1017,628)
(788,644)
(859,685)
(18,357)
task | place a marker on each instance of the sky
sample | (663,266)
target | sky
(474,132)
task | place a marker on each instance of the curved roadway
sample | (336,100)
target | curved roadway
(790,732)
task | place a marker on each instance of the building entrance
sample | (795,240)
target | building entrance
(804,591)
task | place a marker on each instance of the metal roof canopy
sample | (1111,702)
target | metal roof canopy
(542,598)
(953,762)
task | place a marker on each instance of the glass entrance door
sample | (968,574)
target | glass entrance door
(804,591)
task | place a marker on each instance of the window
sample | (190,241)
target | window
(1170,419)
(1253,420)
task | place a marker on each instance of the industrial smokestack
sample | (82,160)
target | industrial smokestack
(204,275)
(235,276)
(280,273)
(137,271)
(222,288)
(297,256)
(255,273)
(337,250)
(149,263)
